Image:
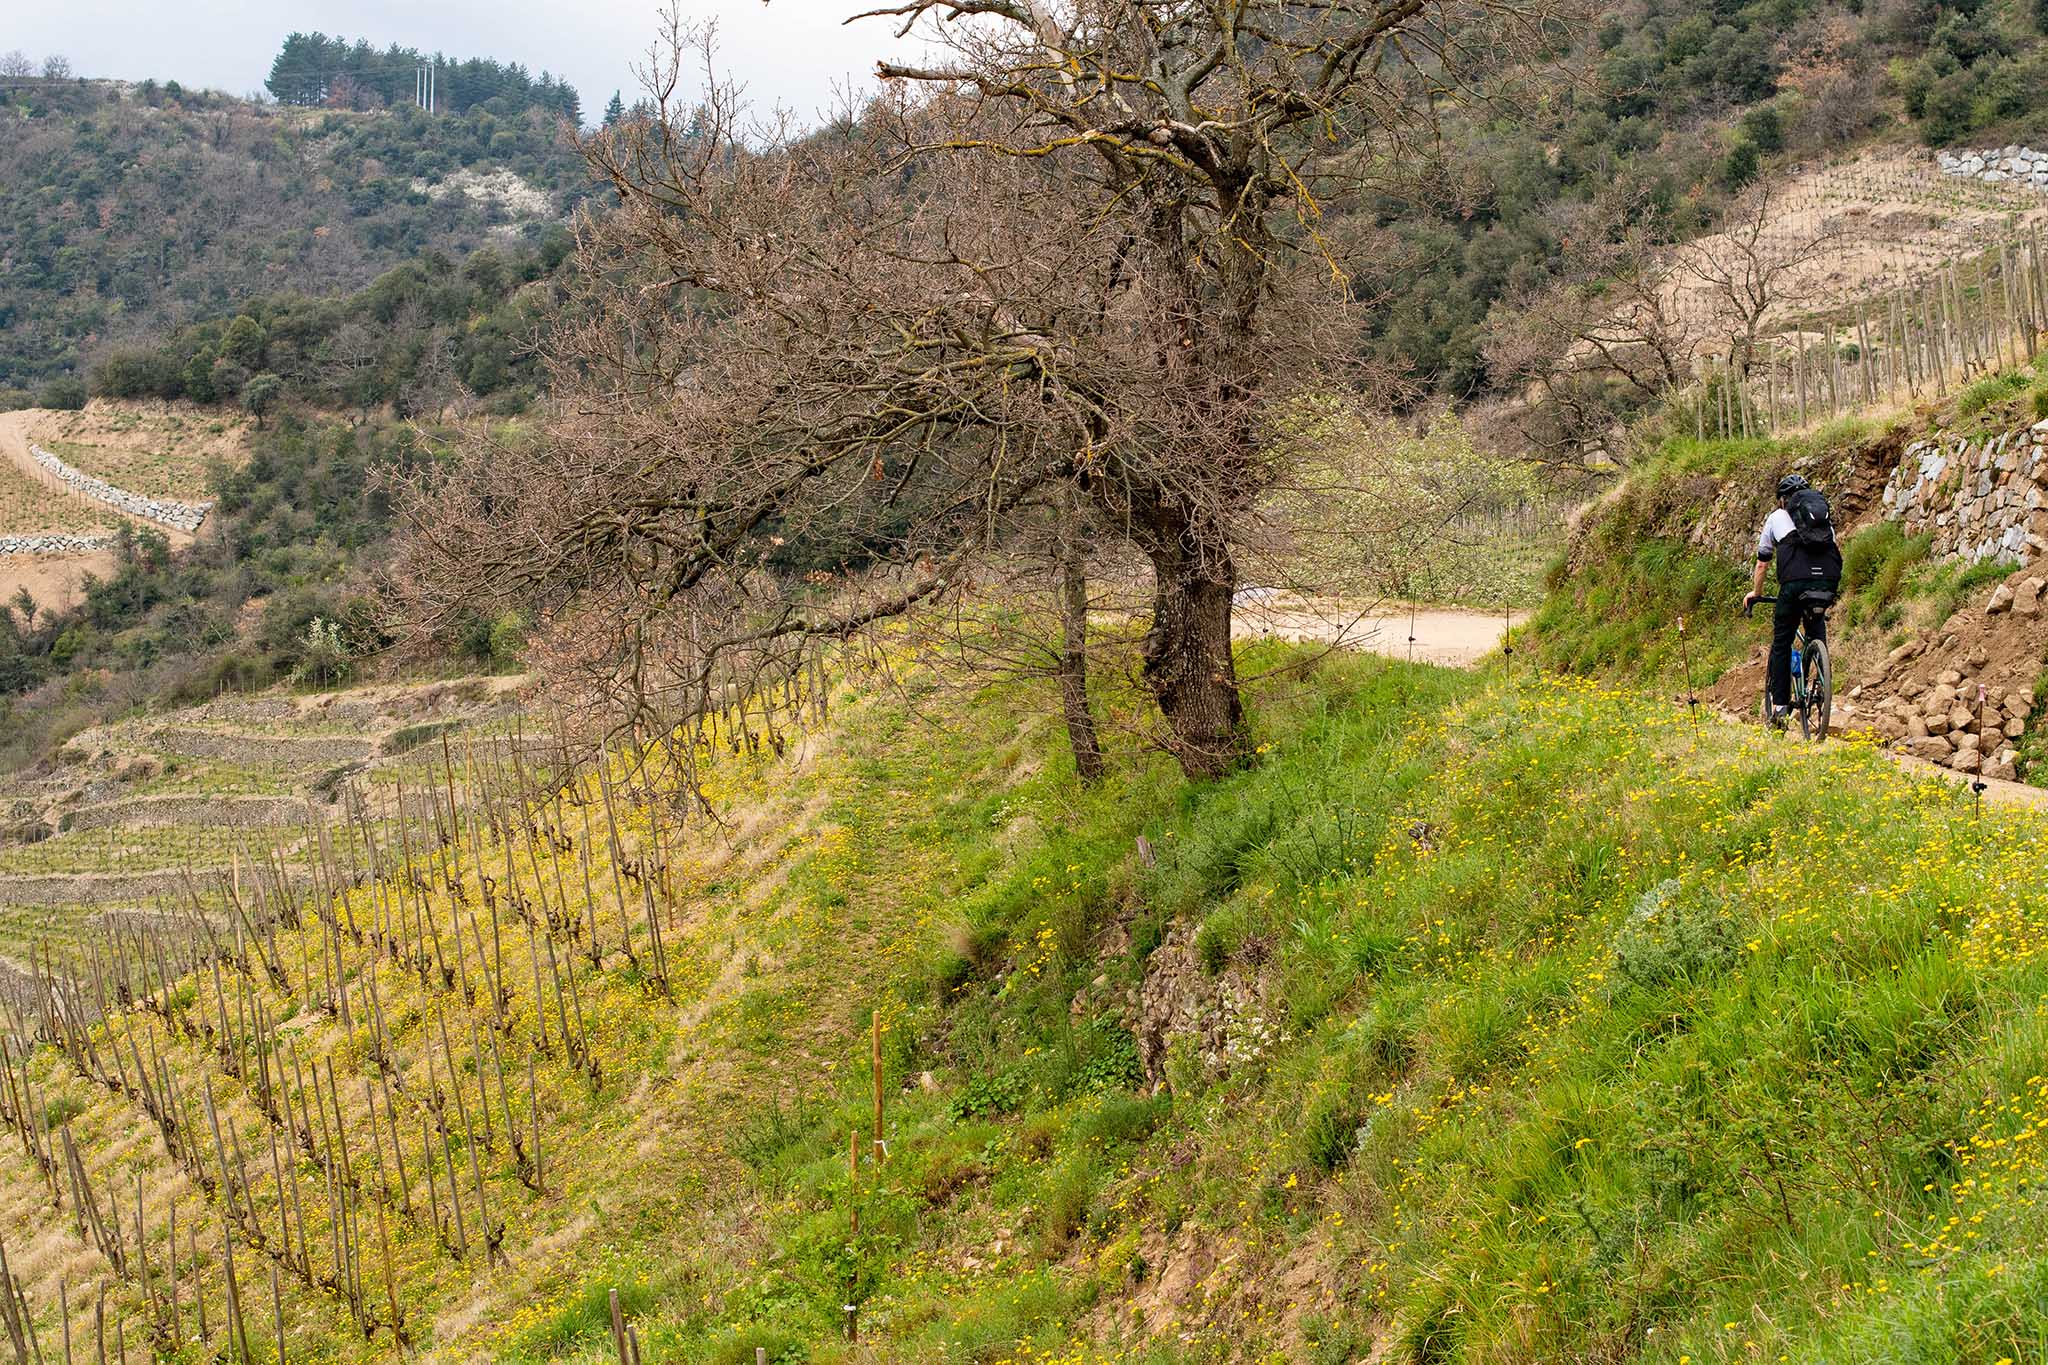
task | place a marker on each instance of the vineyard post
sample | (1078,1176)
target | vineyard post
(1800,374)
(875,1063)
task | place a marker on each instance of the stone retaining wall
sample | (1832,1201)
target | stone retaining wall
(1998,165)
(245,747)
(54,543)
(179,516)
(163,812)
(1981,496)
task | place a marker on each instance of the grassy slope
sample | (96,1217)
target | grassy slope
(1487,1100)
(1486,1117)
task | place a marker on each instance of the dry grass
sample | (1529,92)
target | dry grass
(28,507)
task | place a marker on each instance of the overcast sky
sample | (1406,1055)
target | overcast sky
(786,51)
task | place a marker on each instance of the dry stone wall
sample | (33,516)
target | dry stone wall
(179,516)
(1998,165)
(1960,718)
(1981,496)
(53,543)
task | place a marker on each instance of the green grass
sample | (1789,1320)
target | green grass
(1876,563)
(1620,614)
(1578,1034)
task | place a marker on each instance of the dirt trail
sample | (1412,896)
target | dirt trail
(1450,636)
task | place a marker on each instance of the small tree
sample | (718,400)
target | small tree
(57,67)
(614,111)
(14,65)
(260,396)
(323,655)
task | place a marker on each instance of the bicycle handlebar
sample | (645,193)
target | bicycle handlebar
(1753,603)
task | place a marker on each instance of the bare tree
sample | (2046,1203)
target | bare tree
(15,64)
(1069,261)
(1761,264)
(1608,336)
(57,67)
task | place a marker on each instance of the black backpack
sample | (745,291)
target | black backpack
(1810,520)
(1810,552)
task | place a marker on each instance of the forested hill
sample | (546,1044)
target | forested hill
(128,210)
(1683,103)
(314,69)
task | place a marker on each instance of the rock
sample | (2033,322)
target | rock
(2015,727)
(1937,725)
(1962,718)
(1943,696)
(2018,704)
(1932,748)
(2026,598)
(1890,727)
(1964,742)
(1908,650)
(1979,657)
(1950,679)
(1966,760)
(2000,772)
(1916,727)
(1912,691)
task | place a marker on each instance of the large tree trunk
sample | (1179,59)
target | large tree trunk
(1188,663)
(1073,666)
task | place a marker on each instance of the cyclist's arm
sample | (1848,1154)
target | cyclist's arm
(1756,579)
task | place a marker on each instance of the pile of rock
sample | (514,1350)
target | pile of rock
(179,516)
(1981,497)
(53,543)
(1957,724)
(1996,165)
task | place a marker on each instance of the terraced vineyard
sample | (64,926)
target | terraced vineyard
(334,1058)
(28,506)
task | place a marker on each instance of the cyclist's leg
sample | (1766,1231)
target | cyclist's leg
(1784,625)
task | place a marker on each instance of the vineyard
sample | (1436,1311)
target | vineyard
(29,506)
(342,1063)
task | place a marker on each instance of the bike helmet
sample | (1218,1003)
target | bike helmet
(1791,484)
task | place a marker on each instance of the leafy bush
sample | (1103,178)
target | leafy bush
(987,1096)
(1674,936)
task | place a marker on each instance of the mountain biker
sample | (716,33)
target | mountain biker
(1800,536)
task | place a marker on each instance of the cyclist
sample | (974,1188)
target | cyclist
(1800,536)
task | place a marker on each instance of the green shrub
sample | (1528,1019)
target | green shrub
(985,1096)
(1672,935)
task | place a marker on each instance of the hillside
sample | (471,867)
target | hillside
(130,210)
(1477,1019)
(1938,642)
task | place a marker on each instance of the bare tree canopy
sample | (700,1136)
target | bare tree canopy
(1058,273)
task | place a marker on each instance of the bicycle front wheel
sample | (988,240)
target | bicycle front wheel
(1820,691)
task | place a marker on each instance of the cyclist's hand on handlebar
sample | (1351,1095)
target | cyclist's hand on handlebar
(1748,603)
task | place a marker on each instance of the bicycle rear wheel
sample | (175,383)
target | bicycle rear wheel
(1820,691)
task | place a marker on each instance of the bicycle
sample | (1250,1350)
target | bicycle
(1813,676)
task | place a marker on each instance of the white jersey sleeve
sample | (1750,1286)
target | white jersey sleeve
(1777,526)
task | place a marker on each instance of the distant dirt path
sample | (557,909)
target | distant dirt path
(1997,791)
(1449,636)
